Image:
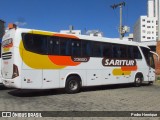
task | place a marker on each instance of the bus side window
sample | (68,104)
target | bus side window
(76,48)
(65,48)
(39,44)
(27,41)
(35,43)
(116,53)
(53,45)
(86,48)
(130,52)
(96,49)
(123,51)
(106,50)
(136,53)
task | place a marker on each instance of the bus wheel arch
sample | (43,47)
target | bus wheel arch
(73,83)
(138,79)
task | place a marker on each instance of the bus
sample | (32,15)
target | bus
(37,59)
(2,31)
(151,44)
(0,62)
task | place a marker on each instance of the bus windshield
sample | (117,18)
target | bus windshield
(148,56)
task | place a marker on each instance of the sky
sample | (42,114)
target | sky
(56,15)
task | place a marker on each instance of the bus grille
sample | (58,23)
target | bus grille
(6,56)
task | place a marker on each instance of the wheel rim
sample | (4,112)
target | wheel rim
(73,85)
(138,80)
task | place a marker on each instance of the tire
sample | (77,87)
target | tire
(72,85)
(150,83)
(138,81)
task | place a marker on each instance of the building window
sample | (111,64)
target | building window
(143,25)
(148,37)
(148,21)
(143,31)
(148,26)
(144,36)
(143,19)
(148,32)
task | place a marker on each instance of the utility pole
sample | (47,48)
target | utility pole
(121,31)
(120,23)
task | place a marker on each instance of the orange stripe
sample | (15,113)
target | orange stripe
(8,46)
(129,68)
(63,60)
(65,36)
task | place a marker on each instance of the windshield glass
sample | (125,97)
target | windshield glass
(148,56)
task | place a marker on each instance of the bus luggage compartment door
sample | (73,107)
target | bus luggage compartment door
(32,79)
(50,79)
(94,77)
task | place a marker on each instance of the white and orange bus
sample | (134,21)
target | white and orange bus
(0,64)
(35,59)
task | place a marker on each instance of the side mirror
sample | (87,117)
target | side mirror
(155,54)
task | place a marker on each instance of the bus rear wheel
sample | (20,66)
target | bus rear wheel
(138,81)
(72,85)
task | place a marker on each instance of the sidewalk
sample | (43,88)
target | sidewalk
(157,82)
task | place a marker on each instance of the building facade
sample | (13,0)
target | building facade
(146,27)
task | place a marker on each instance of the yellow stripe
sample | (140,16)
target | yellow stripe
(41,32)
(37,61)
(118,72)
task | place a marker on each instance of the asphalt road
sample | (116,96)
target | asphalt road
(102,98)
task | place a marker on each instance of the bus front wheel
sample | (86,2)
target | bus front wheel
(150,83)
(72,85)
(138,81)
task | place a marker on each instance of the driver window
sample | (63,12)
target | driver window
(151,60)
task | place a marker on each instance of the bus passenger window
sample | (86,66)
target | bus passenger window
(40,44)
(86,48)
(96,49)
(116,51)
(35,43)
(106,50)
(65,48)
(123,51)
(130,52)
(76,48)
(53,45)
(136,53)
